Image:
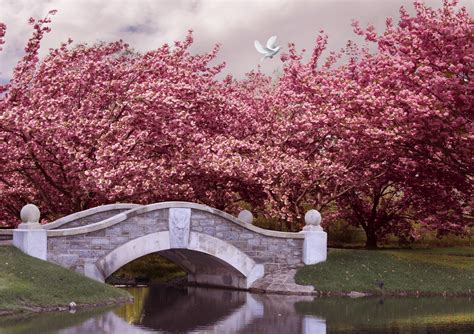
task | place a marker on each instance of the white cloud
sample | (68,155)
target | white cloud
(147,24)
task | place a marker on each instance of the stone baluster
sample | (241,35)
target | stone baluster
(315,239)
(30,237)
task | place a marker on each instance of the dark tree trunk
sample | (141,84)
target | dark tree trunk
(371,242)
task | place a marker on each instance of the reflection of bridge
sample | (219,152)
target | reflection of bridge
(219,311)
(212,246)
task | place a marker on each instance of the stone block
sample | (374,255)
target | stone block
(292,261)
(255,242)
(100,241)
(151,228)
(264,259)
(162,214)
(32,242)
(206,222)
(114,231)
(231,235)
(271,267)
(119,240)
(240,244)
(90,270)
(80,244)
(197,214)
(314,247)
(209,230)
(99,233)
(162,223)
(67,260)
(222,227)
(275,248)
(252,254)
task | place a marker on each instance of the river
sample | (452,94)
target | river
(202,310)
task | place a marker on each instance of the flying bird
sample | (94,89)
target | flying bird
(269,50)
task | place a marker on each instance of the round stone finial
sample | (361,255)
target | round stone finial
(30,214)
(246,216)
(312,218)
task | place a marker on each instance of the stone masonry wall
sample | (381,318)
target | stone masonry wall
(76,250)
(274,253)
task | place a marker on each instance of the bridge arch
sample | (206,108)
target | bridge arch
(237,268)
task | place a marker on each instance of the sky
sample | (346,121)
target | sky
(235,24)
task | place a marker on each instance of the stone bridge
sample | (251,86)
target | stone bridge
(213,247)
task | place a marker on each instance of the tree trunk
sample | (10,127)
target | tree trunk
(371,242)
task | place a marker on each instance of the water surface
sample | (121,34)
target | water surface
(201,310)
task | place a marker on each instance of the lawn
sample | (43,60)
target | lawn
(429,271)
(29,284)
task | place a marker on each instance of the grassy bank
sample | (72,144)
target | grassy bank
(31,285)
(439,271)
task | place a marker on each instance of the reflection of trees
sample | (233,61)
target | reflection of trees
(132,312)
(389,313)
(187,309)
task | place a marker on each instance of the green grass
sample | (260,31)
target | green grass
(29,284)
(429,271)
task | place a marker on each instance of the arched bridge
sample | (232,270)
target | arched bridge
(212,246)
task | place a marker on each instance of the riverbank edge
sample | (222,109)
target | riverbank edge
(34,309)
(316,293)
(363,294)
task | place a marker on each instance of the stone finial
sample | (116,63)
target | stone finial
(30,215)
(312,219)
(246,216)
(315,239)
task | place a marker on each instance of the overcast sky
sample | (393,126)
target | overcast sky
(147,24)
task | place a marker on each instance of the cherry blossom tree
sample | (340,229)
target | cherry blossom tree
(417,93)
(357,140)
(90,125)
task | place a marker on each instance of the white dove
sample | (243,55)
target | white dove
(269,50)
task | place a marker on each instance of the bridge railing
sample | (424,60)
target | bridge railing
(31,237)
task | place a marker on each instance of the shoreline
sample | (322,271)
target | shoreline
(60,308)
(367,294)
(316,293)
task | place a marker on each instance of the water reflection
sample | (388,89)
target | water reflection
(199,310)
(400,315)
(54,322)
(240,312)
(196,308)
